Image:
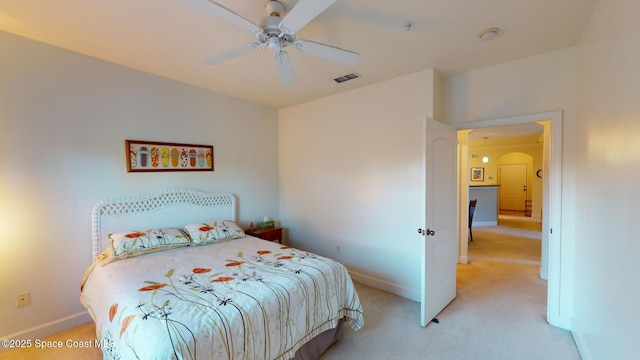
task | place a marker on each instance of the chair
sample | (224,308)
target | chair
(472,209)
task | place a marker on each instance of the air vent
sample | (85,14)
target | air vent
(347,77)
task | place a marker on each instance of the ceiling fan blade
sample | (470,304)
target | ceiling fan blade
(302,14)
(223,13)
(232,54)
(284,67)
(327,52)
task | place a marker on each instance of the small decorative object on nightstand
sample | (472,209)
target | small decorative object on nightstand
(271,234)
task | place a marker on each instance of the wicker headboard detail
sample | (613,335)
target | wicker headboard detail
(167,208)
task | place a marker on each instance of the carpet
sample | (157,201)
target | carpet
(499,313)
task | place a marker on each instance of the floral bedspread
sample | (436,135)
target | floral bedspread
(239,299)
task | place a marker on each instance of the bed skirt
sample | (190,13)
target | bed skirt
(318,345)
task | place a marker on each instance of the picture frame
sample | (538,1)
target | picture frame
(477,174)
(152,156)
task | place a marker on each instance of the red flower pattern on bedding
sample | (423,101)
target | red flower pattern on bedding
(136,234)
(201,270)
(235,263)
(152,287)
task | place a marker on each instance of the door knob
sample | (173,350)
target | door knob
(427,232)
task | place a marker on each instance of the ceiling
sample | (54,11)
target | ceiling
(170,38)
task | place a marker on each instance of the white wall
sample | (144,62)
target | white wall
(350,167)
(607,315)
(63,121)
(537,84)
(351,176)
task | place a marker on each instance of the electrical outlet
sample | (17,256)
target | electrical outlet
(23,299)
(338,249)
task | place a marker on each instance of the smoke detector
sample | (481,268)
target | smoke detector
(489,34)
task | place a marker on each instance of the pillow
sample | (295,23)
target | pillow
(212,231)
(134,243)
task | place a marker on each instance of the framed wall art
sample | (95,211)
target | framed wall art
(477,174)
(148,156)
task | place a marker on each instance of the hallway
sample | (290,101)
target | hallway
(516,239)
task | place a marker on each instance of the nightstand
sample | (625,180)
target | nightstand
(271,234)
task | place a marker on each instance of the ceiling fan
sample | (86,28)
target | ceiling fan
(277,32)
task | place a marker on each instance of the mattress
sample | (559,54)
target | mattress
(237,299)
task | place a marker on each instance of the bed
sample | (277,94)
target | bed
(174,277)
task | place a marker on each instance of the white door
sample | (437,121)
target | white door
(513,186)
(440,250)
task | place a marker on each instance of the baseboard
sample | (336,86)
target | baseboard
(544,275)
(45,330)
(558,320)
(581,345)
(387,286)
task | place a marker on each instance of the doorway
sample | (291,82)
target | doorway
(551,201)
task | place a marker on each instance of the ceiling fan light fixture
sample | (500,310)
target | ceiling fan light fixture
(489,34)
(274,44)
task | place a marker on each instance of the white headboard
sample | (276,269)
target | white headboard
(166,208)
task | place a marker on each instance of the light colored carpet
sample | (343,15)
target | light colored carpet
(514,240)
(499,313)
